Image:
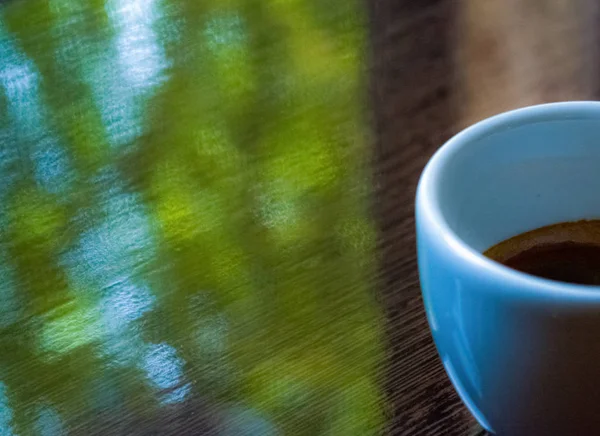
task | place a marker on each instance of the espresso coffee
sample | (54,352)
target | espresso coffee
(567,252)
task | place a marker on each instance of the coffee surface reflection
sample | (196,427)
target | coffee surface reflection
(567,252)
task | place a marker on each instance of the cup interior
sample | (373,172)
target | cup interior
(520,171)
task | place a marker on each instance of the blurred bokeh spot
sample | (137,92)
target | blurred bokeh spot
(186,244)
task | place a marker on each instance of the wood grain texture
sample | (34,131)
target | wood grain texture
(415,112)
(437,66)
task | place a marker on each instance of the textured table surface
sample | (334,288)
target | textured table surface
(439,65)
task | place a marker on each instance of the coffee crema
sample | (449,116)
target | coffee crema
(566,252)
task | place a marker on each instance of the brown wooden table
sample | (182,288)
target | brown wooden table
(437,66)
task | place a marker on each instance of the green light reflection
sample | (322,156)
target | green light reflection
(185,221)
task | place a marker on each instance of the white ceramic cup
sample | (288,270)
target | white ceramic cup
(523,352)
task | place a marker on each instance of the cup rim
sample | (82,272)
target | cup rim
(427,203)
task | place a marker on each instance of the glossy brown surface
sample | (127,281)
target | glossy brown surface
(567,252)
(570,262)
